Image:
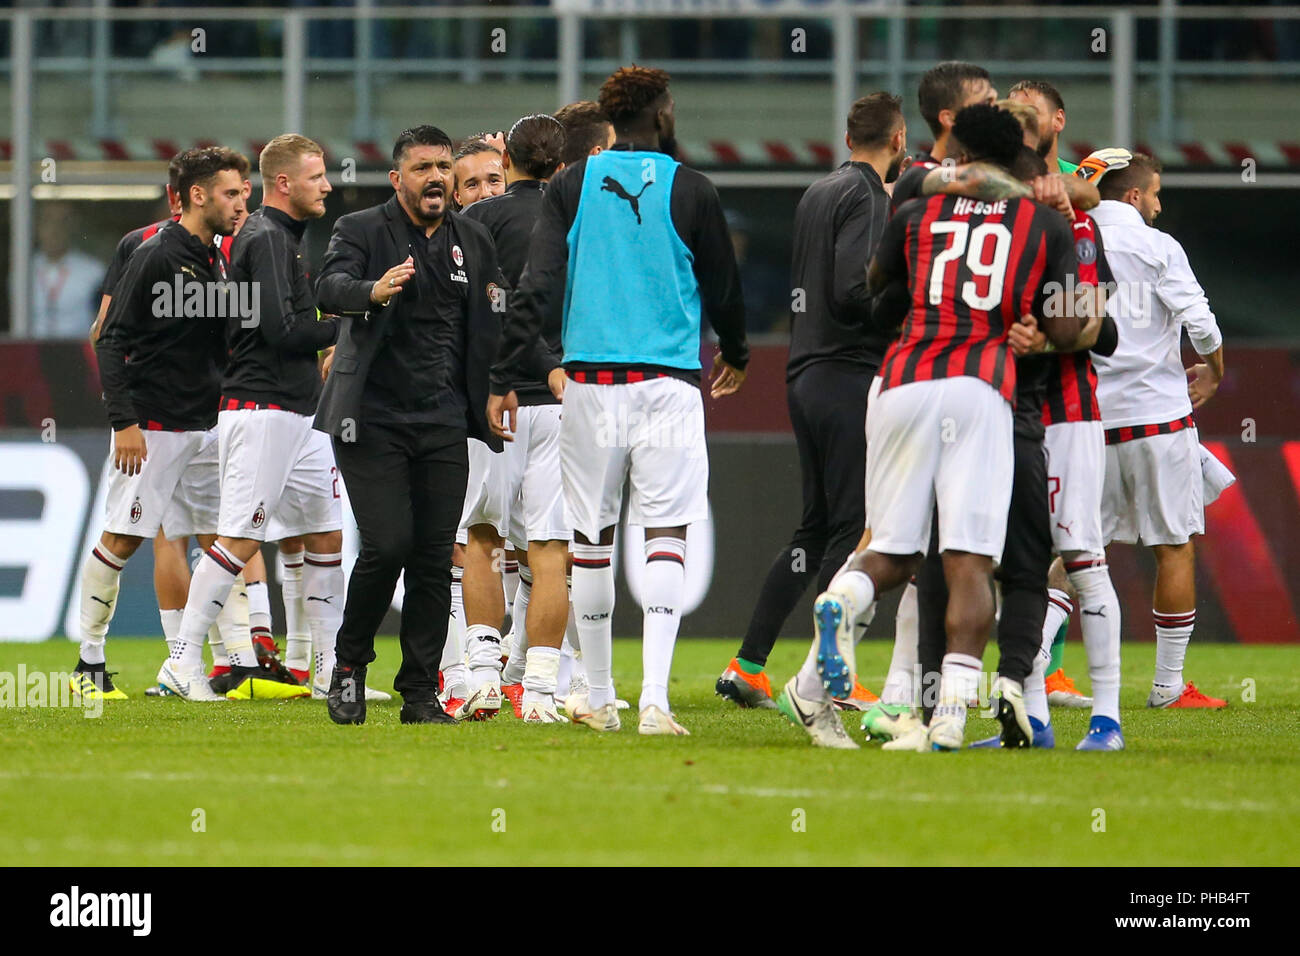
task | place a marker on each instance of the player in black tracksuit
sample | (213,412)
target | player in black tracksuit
(534,147)
(274,361)
(162,370)
(834,355)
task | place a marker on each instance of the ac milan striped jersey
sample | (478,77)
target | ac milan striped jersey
(973,268)
(1072,381)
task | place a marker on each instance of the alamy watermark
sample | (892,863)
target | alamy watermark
(24,689)
(220,299)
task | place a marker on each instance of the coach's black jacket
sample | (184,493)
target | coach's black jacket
(273,362)
(364,246)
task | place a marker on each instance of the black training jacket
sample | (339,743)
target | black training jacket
(273,356)
(837,227)
(159,367)
(510,218)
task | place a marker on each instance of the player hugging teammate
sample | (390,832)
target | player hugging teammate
(981,286)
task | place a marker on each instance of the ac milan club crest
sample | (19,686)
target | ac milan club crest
(259,517)
(457,256)
(136,511)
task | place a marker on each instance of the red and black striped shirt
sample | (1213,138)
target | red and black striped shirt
(1072,381)
(973,268)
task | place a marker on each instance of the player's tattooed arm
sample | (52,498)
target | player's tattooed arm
(974,180)
(1081,193)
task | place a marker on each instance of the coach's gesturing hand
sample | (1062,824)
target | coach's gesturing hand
(129,450)
(726,380)
(501,415)
(390,283)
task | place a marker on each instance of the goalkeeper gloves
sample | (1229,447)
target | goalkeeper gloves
(1101,161)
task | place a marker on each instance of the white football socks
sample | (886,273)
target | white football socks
(1173,633)
(903,682)
(1059,609)
(259,609)
(322,593)
(510,579)
(540,675)
(455,679)
(171,624)
(959,679)
(514,669)
(1100,619)
(297,635)
(210,589)
(232,623)
(483,649)
(662,582)
(593,608)
(100,579)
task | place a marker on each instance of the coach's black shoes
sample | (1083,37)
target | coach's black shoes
(425,710)
(346,700)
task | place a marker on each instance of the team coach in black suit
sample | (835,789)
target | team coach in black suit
(416,284)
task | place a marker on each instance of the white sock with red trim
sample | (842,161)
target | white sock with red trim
(100,579)
(517,664)
(210,588)
(593,609)
(322,590)
(1100,619)
(297,635)
(662,584)
(259,609)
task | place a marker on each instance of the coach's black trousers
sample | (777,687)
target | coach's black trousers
(828,409)
(406,485)
(1022,574)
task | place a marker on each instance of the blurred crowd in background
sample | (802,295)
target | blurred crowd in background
(724,39)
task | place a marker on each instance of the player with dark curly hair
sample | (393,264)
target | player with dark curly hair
(636,247)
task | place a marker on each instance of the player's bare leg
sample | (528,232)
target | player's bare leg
(828,669)
(485,610)
(540,626)
(1174,606)
(967,623)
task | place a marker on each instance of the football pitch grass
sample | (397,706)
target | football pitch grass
(165,782)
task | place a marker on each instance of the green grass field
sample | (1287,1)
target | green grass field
(1194,788)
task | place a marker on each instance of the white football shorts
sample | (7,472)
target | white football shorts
(178,489)
(649,434)
(274,465)
(946,443)
(1076,474)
